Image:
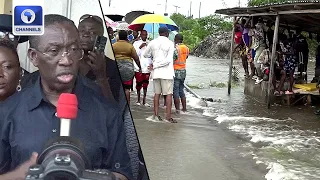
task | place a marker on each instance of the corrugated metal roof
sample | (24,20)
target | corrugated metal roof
(269,8)
(286,3)
(305,14)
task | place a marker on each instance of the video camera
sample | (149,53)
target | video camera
(64,157)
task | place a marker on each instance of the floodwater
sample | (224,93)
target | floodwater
(235,137)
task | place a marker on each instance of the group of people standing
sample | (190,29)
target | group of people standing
(161,60)
(254,39)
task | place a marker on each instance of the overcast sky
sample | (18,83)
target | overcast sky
(158,6)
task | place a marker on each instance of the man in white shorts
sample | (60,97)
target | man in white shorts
(161,51)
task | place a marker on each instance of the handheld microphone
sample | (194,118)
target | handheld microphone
(67,109)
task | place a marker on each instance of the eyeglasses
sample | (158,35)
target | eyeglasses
(73,53)
(4,34)
(87,16)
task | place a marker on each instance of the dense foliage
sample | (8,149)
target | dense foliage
(262,2)
(195,30)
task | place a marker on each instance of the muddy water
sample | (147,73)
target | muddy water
(235,137)
(285,139)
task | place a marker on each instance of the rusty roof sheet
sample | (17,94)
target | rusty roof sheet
(305,14)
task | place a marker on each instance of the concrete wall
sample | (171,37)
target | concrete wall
(5,6)
(258,91)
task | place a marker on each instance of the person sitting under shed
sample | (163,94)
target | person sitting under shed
(279,73)
(302,53)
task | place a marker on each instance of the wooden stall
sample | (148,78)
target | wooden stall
(305,15)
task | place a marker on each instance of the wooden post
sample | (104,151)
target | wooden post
(199,9)
(165,9)
(231,56)
(69,5)
(273,57)
(190,8)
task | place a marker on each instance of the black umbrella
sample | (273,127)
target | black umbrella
(131,16)
(6,25)
(115,17)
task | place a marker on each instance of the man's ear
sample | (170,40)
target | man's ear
(32,54)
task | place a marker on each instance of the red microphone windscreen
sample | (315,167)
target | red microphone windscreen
(67,107)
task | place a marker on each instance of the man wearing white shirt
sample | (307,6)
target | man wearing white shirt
(161,51)
(142,78)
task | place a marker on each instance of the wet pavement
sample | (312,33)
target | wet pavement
(191,149)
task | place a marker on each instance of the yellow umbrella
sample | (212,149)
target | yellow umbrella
(139,23)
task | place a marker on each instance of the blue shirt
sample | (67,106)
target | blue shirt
(113,40)
(130,37)
(28,121)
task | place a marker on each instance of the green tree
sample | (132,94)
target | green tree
(184,23)
(211,24)
(195,30)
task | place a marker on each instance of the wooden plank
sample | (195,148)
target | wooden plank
(280,7)
(288,99)
(309,99)
(273,9)
(301,4)
(231,56)
(273,55)
(251,12)
(305,19)
(305,11)
(256,14)
(301,91)
(315,17)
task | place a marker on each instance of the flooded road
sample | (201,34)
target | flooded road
(235,137)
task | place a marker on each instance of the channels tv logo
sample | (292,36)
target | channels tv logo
(28,20)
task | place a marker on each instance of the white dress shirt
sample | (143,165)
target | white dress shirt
(144,62)
(161,51)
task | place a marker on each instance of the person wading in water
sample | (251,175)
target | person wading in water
(180,56)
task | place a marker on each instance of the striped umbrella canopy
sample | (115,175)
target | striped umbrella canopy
(115,17)
(131,16)
(122,26)
(111,23)
(139,23)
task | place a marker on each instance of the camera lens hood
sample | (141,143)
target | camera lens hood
(64,145)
